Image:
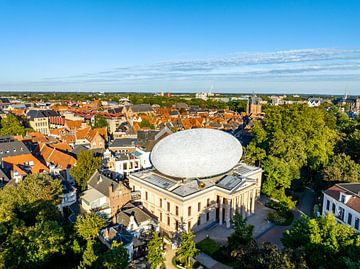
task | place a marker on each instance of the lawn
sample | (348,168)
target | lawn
(208,246)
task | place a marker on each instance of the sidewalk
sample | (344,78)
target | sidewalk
(169,254)
(209,262)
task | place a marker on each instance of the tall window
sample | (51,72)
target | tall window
(160,217)
(208,202)
(333,208)
(176,225)
(357,222)
(199,206)
(168,220)
(189,211)
(146,195)
(199,220)
(342,198)
(160,203)
(168,206)
(176,210)
(327,205)
(189,226)
(349,220)
(341,213)
(207,216)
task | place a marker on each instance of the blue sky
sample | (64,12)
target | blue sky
(233,46)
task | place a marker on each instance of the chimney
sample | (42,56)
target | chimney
(114,221)
(132,216)
(106,233)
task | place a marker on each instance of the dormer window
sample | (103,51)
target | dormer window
(342,198)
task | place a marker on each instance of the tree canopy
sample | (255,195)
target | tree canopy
(342,169)
(10,125)
(85,167)
(291,138)
(116,257)
(100,122)
(30,229)
(323,242)
(242,234)
(87,226)
(187,248)
(155,254)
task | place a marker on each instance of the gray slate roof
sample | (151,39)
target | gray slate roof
(12,147)
(102,183)
(123,142)
(32,114)
(128,210)
(142,108)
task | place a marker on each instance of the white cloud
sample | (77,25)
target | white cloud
(317,66)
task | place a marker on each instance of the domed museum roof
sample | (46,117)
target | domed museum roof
(196,153)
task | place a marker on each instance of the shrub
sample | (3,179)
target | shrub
(282,216)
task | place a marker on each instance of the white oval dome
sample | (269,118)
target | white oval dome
(196,153)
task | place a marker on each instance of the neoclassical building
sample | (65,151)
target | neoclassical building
(197,179)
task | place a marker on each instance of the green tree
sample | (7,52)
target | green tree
(10,125)
(85,167)
(33,246)
(155,254)
(146,124)
(187,248)
(33,198)
(343,169)
(324,242)
(30,228)
(266,256)
(116,257)
(87,226)
(242,234)
(100,122)
(296,139)
(89,257)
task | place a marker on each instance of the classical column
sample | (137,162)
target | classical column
(220,212)
(247,202)
(228,213)
(253,202)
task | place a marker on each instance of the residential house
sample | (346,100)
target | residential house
(39,120)
(123,145)
(56,160)
(136,219)
(104,195)
(4,179)
(96,138)
(140,109)
(68,197)
(343,201)
(120,234)
(20,166)
(121,163)
(11,147)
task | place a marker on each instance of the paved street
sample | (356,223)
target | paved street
(307,201)
(274,233)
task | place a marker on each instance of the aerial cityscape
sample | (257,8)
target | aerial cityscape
(179,134)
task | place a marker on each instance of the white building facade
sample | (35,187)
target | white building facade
(343,201)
